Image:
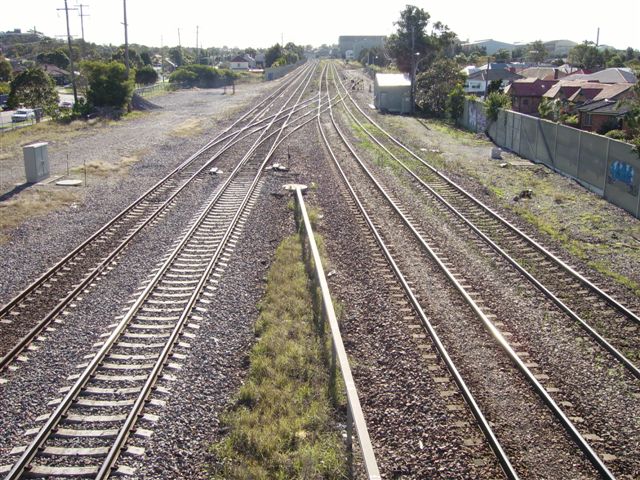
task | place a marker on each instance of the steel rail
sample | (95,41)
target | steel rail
(483,423)
(578,276)
(619,356)
(591,455)
(32,449)
(45,321)
(43,278)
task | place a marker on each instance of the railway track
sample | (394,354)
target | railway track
(30,312)
(394,225)
(118,387)
(614,326)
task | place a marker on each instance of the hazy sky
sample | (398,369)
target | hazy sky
(256,23)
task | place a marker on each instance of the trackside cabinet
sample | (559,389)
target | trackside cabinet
(36,161)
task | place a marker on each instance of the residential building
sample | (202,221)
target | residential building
(543,73)
(579,92)
(392,92)
(526,94)
(242,62)
(477,82)
(60,76)
(602,115)
(357,43)
(608,75)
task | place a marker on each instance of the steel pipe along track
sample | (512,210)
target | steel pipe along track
(89,428)
(614,326)
(26,316)
(394,222)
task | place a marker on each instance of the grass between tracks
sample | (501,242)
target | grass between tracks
(282,424)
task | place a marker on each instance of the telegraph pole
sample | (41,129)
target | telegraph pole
(413,68)
(82,15)
(73,75)
(197,51)
(126,39)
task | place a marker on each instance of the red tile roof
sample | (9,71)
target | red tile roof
(529,87)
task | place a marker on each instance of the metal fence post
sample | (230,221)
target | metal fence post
(606,169)
(578,150)
(555,147)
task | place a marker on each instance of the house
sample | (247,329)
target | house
(581,91)
(60,76)
(608,75)
(477,82)
(242,62)
(526,94)
(543,73)
(392,92)
(602,115)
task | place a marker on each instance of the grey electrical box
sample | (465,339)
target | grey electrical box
(36,162)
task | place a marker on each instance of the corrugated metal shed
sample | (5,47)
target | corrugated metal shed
(392,92)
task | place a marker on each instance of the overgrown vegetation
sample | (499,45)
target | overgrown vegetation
(281,424)
(495,102)
(33,88)
(202,76)
(108,84)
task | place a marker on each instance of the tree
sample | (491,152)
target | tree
(433,86)
(146,58)
(272,54)
(134,59)
(5,69)
(176,55)
(495,102)
(57,57)
(494,86)
(108,84)
(586,55)
(411,41)
(455,103)
(146,75)
(503,55)
(411,29)
(537,51)
(35,89)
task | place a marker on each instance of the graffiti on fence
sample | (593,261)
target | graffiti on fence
(624,173)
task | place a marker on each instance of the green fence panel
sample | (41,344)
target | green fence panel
(623,177)
(546,144)
(592,163)
(567,150)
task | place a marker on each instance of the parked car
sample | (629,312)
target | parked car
(23,114)
(66,105)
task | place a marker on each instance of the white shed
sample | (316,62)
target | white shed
(392,92)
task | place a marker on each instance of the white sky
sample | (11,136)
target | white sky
(260,23)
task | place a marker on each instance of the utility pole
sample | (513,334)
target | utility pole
(162,58)
(197,51)
(413,69)
(126,39)
(598,37)
(73,74)
(82,15)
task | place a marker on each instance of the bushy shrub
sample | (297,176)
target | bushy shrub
(108,84)
(495,102)
(146,75)
(202,76)
(616,134)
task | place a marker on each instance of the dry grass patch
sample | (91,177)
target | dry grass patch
(100,168)
(34,203)
(190,128)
